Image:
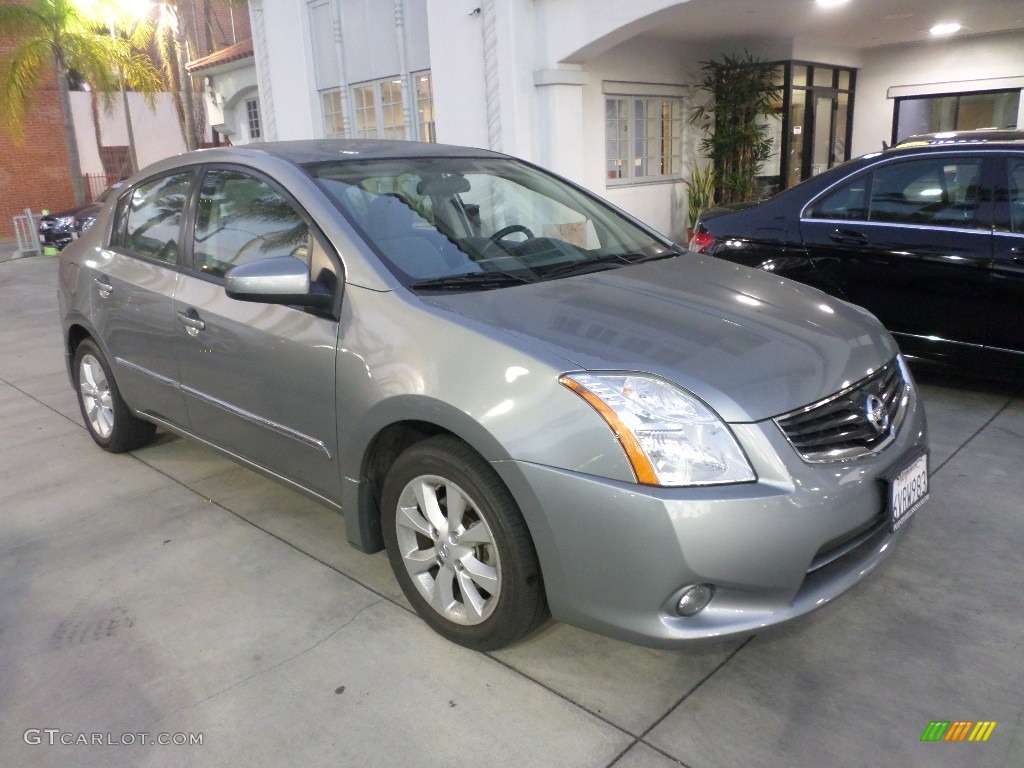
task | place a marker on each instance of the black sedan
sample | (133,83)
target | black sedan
(929,238)
(59,229)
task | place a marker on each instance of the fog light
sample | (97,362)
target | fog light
(695,599)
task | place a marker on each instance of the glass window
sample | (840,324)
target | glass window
(153,218)
(240,219)
(392,110)
(425,106)
(334,113)
(845,204)
(956,112)
(380,108)
(437,217)
(823,76)
(643,138)
(1017,195)
(935,191)
(797,117)
(365,97)
(252,116)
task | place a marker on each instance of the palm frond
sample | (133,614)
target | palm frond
(20,73)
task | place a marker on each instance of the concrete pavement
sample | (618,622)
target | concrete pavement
(170,591)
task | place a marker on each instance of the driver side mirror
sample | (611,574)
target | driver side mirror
(277,280)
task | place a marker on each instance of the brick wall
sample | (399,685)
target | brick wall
(213,22)
(34,174)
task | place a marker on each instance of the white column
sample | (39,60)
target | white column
(266,91)
(559,129)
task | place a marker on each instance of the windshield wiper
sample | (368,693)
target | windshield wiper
(480,281)
(600,263)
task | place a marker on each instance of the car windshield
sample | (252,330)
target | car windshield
(481,223)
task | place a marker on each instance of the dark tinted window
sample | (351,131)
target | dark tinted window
(152,218)
(848,203)
(939,191)
(1017,195)
(240,218)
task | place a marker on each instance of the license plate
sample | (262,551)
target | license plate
(908,490)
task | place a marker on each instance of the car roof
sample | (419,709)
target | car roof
(982,135)
(302,152)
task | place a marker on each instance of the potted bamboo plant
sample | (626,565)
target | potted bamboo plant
(737,139)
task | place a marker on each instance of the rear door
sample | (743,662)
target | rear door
(132,289)
(911,240)
(258,379)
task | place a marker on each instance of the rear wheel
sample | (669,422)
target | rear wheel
(110,422)
(459,546)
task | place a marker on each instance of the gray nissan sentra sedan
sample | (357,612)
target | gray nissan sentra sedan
(530,400)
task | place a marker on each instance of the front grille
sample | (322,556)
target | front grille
(839,428)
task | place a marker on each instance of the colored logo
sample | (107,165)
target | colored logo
(958,730)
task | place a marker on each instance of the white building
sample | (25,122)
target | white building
(571,84)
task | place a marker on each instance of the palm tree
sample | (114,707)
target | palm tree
(62,33)
(174,51)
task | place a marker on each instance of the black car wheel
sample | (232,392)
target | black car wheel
(110,422)
(459,546)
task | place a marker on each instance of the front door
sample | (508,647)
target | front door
(258,379)
(911,241)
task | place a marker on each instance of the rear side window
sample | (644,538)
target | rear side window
(848,203)
(240,218)
(935,191)
(150,218)
(1017,195)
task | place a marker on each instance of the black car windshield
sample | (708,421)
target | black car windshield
(438,223)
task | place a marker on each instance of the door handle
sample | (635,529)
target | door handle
(848,236)
(104,288)
(193,324)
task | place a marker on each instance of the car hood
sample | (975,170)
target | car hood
(750,344)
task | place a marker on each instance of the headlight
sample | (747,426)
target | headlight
(87,222)
(670,437)
(65,221)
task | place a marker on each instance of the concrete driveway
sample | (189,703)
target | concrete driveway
(171,592)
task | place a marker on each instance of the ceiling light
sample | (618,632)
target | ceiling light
(945,29)
(831,3)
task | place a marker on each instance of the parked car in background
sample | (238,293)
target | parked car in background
(526,397)
(59,229)
(963,137)
(928,237)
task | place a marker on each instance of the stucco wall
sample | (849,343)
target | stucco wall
(157,134)
(943,66)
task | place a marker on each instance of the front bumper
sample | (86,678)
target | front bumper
(615,556)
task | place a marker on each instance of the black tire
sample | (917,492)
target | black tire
(518,605)
(118,429)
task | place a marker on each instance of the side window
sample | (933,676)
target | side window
(848,203)
(239,219)
(941,192)
(150,219)
(1016,195)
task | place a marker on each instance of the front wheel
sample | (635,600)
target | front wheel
(459,546)
(110,422)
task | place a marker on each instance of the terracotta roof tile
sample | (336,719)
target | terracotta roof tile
(234,52)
